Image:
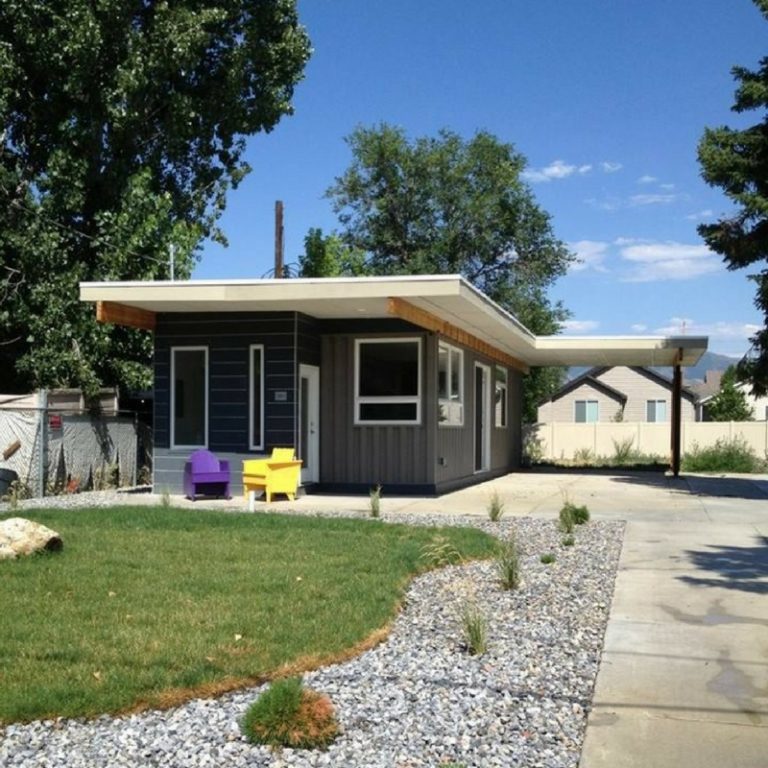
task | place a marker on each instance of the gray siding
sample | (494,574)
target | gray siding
(357,456)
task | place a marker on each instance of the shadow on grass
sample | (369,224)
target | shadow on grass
(739,568)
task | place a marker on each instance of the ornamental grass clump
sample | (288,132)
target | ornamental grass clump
(474,627)
(547,558)
(580,514)
(566,520)
(289,715)
(495,507)
(375,501)
(508,564)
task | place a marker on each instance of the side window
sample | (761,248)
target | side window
(500,395)
(450,385)
(586,411)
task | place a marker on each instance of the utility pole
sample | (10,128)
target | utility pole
(278,239)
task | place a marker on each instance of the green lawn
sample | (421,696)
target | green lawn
(147,605)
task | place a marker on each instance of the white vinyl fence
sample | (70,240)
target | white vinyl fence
(562,440)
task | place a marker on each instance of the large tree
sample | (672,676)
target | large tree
(122,126)
(730,403)
(737,162)
(448,205)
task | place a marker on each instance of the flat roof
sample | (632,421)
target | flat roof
(449,298)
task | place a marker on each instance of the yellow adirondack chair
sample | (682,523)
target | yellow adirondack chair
(278,474)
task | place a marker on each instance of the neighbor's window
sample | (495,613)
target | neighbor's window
(450,385)
(189,397)
(586,411)
(656,410)
(256,378)
(500,395)
(387,381)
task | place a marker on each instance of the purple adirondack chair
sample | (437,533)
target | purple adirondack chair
(205,475)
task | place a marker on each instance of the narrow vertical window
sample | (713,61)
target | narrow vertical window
(500,395)
(450,385)
(189,397)
(256,379)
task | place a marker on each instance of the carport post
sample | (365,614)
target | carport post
(677,392)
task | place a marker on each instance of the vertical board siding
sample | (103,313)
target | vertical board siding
(376,454)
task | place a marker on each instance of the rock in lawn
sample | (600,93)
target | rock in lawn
(19,536)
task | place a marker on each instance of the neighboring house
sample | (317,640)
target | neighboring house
(410,382)
(616,393)
(758,405)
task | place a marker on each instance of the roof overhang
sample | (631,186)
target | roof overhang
(443,303)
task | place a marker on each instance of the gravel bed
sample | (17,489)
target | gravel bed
(417,699)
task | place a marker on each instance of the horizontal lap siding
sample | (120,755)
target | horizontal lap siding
(398,455)
(228,337)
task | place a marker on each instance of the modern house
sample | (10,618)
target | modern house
(410,382)
(617,393)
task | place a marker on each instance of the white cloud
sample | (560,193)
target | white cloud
(669,261)
(590,253)
(580,326)
(667,187)
(558,169)
(707,213)
(609,167)
(606,204)
(729,336)
(657,198)
(646,179)
(638,327)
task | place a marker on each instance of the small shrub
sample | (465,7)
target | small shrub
(583,456)
(568,541)
(474,628)
(289,715)
(533,447)
(734,455)
(18,491)
(165,499)
(622,451)
(375,501)
(495,507)
(566,520)
(508,564)
(440,552)
(547,558)
(580,514)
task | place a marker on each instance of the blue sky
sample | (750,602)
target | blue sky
(606,98)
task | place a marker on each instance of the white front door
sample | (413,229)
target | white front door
(309,423)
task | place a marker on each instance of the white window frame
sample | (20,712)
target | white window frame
(173,394)
(655,402)
(254,446)
(358,401)
(502,386)
(587,401)
(451,405)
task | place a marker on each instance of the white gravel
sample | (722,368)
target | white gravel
(417,699)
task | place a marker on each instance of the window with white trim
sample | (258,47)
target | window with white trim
(500,395)
(256,396)
(388,381)
(450,385)
(656,410)
(189,397)
(586,411)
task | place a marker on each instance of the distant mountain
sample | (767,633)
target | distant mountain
(710,361)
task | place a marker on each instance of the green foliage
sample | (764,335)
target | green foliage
(580,513)
(508,564)
(123,128)
(730,403)
(440,551)
(495,507)
(474,628)
(568,541)
(375,501)
(288,715)
(622,451)
(566,520)
(547,558)
(734,455)
(736,160)
(327,256)
(447,205)
(127,598)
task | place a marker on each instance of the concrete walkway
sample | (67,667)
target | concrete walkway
(683,681)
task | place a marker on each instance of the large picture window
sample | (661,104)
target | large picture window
(450,385)
(586,411)
(656,410)
(256,400)
(387,381)
(189,397)
(500,396)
